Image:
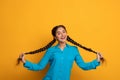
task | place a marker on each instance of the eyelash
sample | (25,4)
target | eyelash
(59,33)
(63,31)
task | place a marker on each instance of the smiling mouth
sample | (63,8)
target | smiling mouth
(63,38)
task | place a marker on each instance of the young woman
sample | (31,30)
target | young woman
(60,57)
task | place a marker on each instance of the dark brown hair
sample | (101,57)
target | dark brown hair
(54,40)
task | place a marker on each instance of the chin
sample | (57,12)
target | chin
(62,41)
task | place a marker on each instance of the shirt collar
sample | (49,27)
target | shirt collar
(67,45)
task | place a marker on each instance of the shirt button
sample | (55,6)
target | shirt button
(60,70)
(58,78)
(61,51)
(62,58)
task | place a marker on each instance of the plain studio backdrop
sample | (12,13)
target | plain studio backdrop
(25,25)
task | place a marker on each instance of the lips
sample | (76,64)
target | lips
(63,38)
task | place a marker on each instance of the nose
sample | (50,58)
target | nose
(62,34)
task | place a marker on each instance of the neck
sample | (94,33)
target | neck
(62,45)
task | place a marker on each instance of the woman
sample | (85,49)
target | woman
(60,57)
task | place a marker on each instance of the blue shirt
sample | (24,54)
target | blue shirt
(61,62)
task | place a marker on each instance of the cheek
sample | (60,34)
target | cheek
(58,36)
(65,34)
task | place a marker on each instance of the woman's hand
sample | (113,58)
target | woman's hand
(21,56)
(99,56)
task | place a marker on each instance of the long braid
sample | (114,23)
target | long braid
(81,46)
(38,50)
(42,49)
(75,43)
(54,40)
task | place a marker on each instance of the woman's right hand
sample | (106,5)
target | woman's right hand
(21,56)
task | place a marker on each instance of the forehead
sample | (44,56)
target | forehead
(60,29)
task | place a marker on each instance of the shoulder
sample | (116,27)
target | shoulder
(52,48)
(73,47)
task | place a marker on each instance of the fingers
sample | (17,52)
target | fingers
(21,57)
(100,57)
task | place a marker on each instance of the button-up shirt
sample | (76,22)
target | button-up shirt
(61,62)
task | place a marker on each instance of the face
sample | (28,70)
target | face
(61,34)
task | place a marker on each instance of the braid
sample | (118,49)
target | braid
(88,49)
(42,49)
(75,43)
(39,50)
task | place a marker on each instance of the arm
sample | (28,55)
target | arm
(85,65)
(40,65)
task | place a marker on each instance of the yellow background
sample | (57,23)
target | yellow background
(25,25)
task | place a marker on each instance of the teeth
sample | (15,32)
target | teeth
(63,38)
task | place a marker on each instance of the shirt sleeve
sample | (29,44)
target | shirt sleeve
(85,65)
(40,65)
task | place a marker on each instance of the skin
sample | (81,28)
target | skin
(61,37)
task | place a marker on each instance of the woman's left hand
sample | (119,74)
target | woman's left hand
(99,56)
